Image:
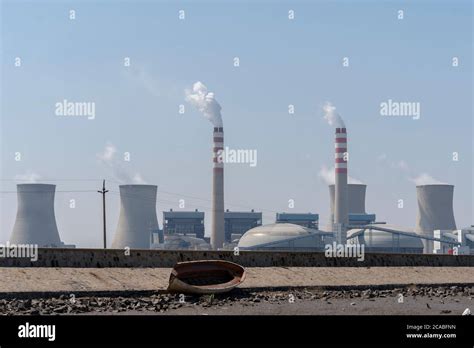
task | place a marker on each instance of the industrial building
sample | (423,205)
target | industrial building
(181,242)
(137,219)
(238,222)
(284,236)
(183,223)
(35,221)
(309,220)
(377,241)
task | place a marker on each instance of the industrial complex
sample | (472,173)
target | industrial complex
(434,230)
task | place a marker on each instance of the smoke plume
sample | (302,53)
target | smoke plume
(331,116)
(108,157)
(426,179)
(329,177)
(28,177)
(205,102)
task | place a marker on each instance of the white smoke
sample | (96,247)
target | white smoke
(28,177)
(426,179)
(329,177)
(205,103)
(421,179)
(331,116)
(109,158)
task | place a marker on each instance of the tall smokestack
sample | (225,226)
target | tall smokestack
(35,220)
(206,103)
(341,213)
(217,224)
(435,211)
(355,198)
(137,217)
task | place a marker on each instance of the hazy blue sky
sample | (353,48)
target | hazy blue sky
(282,62)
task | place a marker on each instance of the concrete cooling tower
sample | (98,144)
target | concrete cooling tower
(35,221)
(435,211)
(356,199)
(137,217)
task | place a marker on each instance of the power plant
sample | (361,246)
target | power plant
(217,209)
(137,219)
(435,211)
(35,220)
(138,228)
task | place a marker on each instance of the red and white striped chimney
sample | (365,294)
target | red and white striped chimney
(217,223)
(341,214)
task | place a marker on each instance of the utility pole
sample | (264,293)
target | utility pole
(103,192)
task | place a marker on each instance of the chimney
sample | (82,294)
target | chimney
(435,211)
(341,216)
(217,223)
(355,197)
(137,218)
(35,220)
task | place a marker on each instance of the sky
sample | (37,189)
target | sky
(282,62)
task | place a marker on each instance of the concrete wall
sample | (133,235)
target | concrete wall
(167,258)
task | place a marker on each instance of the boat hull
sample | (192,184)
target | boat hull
(205,277)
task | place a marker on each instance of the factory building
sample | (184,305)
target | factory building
(181,242)
(137,219)
(385,242)
(309,220)
(460,242)
(238,222)
(186,223)
(283,236)
(465,237)
(35,221)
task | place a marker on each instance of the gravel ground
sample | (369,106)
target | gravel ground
(439,300)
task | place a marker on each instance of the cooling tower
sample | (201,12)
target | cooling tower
(355,197)
(435,211)
(137,217)
(35,221)
(217,223)
(341,203)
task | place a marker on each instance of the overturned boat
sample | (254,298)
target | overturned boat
(205,277)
